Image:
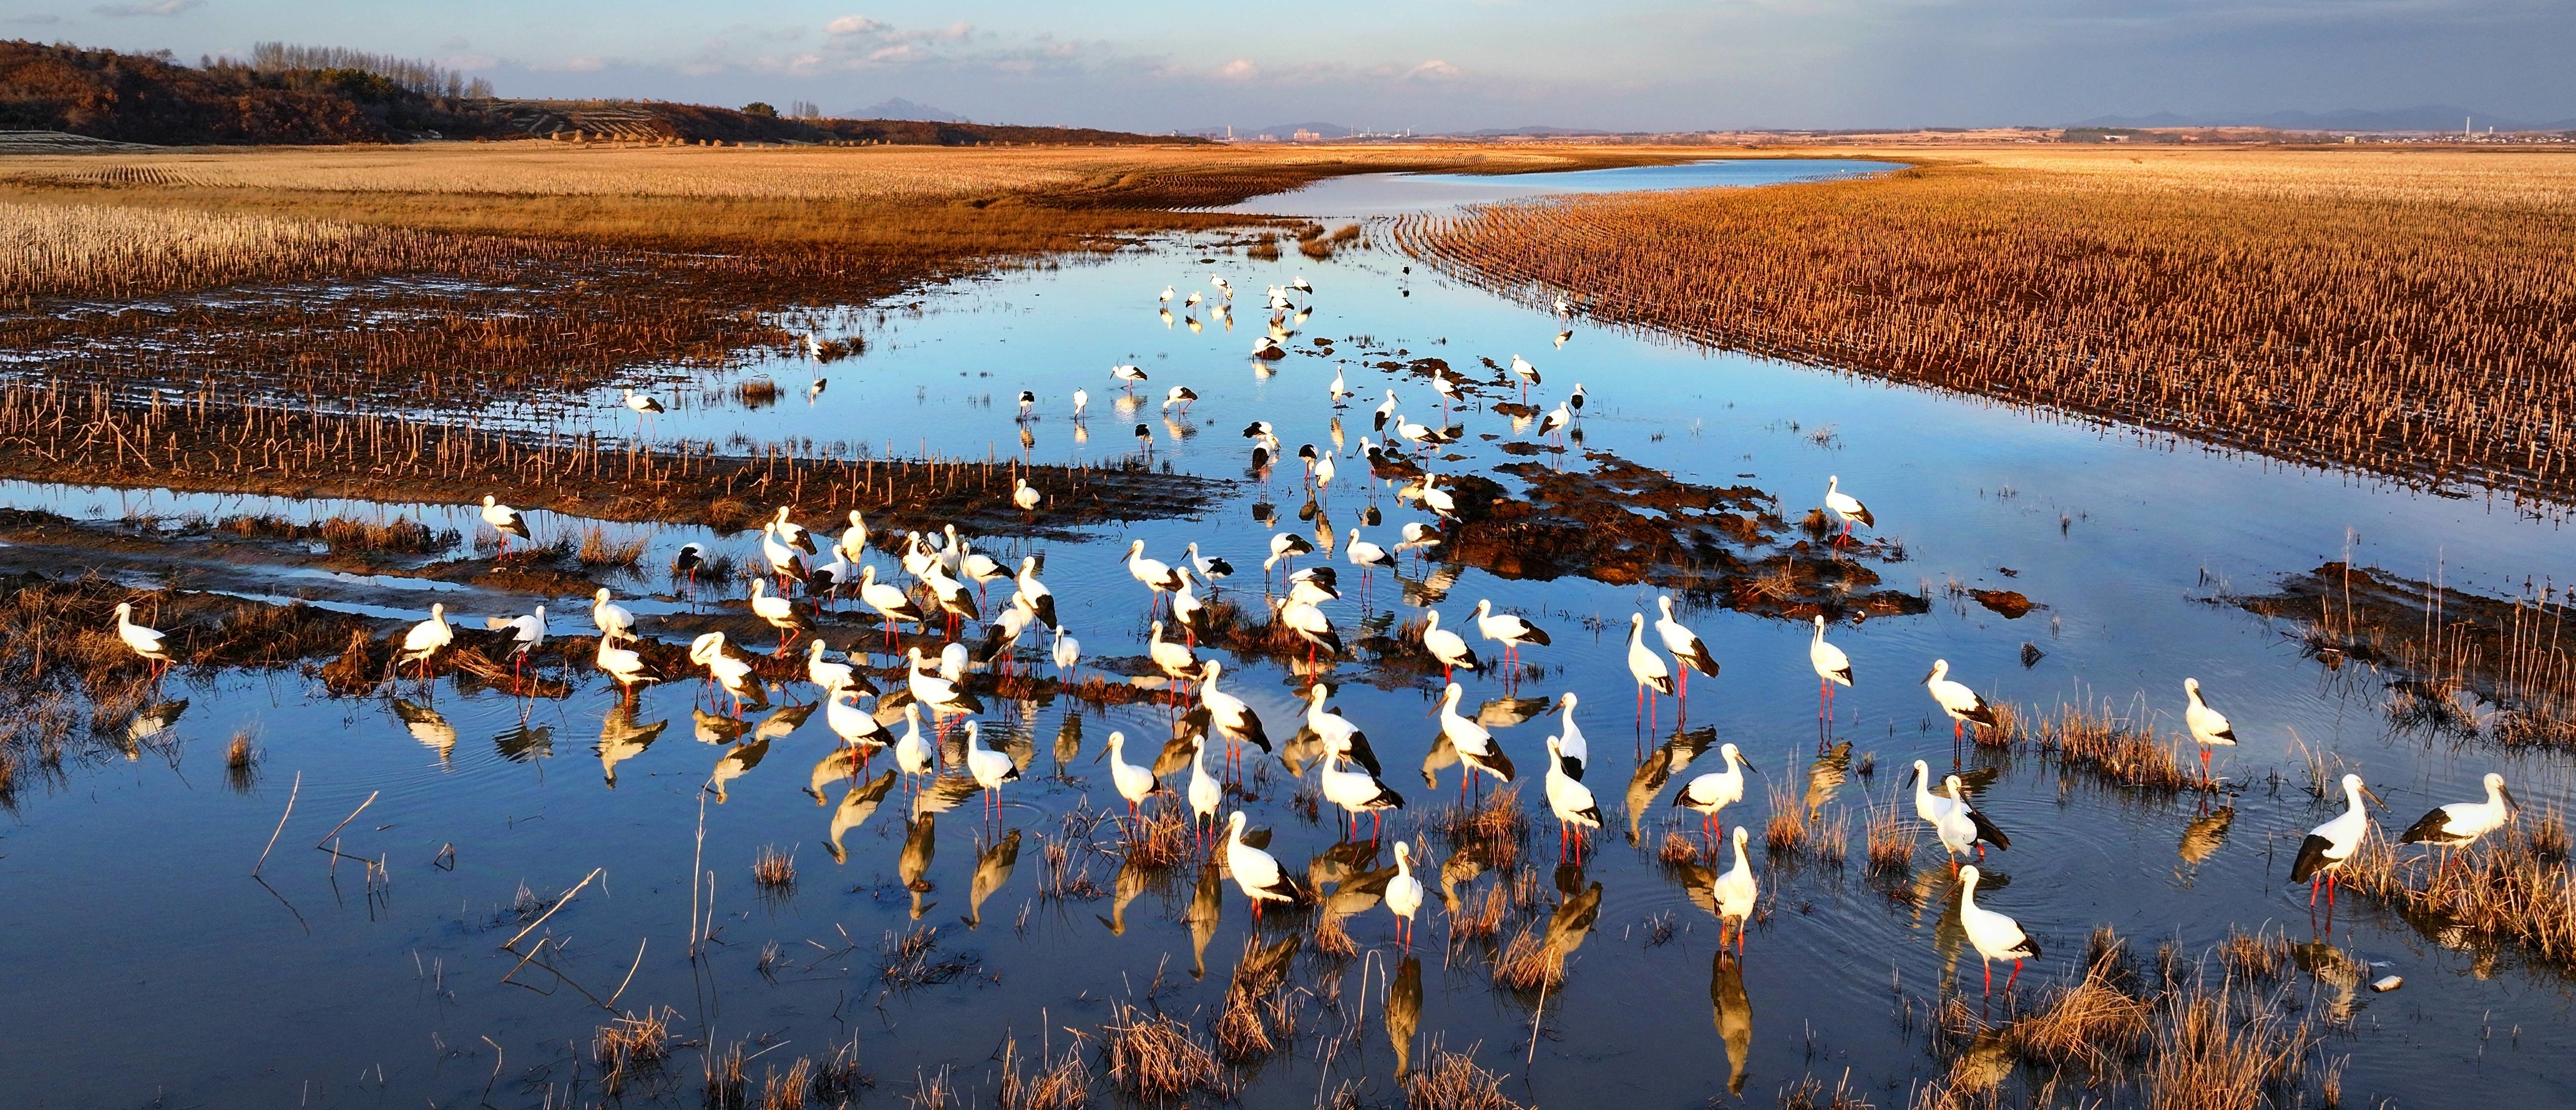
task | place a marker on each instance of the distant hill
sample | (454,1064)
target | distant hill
(2423,117)
(901,109)
(152,98)
(1540,132)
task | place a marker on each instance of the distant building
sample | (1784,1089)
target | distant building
(1305,136)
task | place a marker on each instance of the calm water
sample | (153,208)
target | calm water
(1380,194)
(161,970)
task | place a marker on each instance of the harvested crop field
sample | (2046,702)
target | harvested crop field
(2407,314)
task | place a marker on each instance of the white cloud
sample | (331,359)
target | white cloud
(1240,69)
(903,53)
(1433,70)
(853,25)
(165,7)
(587,63)
(34,18)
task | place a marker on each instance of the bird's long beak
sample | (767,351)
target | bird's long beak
(2374,798)
(2507,794)
(1748,764)
(1927,675)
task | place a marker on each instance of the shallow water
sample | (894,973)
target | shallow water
(1384,194)
(164,970)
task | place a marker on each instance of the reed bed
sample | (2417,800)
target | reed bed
(1061,1083)
(2456,665)
(2330,309)
(1785,833)
(85,434)
(2173,1037)
(2109,747)
(773,870)
(1152,1056)
(1449,1080)
(2514,885)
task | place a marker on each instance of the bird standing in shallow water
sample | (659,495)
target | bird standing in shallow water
(1995,936)
(2329,846)
(1962,704)
(1845,506)
(2208,726)
(1645,666)
(2460,824)
(1832,668)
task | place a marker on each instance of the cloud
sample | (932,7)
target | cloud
(455,42)
(164,7)
(587,63)
(1240,69)
(469,62)
(1433,70)
(853,25)
(34,18)
(905,52)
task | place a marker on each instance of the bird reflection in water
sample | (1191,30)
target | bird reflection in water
(856,807)
(621,739)
(993,867)
(1404,1012)
(736,762)
(427,726)
(1734,1015)
(920,844)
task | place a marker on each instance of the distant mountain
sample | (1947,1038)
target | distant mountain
(899,108)
(1499,132)
(2423,117)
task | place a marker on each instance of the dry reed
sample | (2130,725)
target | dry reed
(1452,1081)
(1152,1056)
(2214,298)
(774,870)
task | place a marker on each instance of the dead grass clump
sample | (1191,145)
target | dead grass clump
(774,870)
(2505,886)
(1785,833)
(1529,962)
(241,762)
(756,393)
(1495,821)
(1160,838)
(1063,1083)
(1809,1093)
(1833,839)
(1452,1081)
(1475,918)
(1890,849)
(2094,1023)
(1265,248)
(2221,1050)
(837,1077)
(2257,957)
(629,1044)
(725,1082)
(2093,739)
(1154,1057)
(404,536)
(912,960)
(787,1090)
(599,549)
(1677,849)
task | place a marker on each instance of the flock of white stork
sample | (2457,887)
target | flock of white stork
(950,577)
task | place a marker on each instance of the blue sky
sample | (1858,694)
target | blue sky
(1439,64)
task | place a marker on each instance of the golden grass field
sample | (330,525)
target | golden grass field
(2407,312)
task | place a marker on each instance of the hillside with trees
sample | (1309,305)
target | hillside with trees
(301,95)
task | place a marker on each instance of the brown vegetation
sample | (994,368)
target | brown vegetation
(1152,1056)
(2323,307)
(2510,886)
(2457,665)
(1620,522)
(1452,1081)
(85,434)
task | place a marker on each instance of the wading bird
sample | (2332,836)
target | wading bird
(140,640)
(1571,801)
(2329,846)
(1995,936)
(2460,824)
(989,768)
(1845,505)
(426,638)
(504,520)
(1476,748)
(1832,668)
(1448,647)
(1357,792)
(1404,894)
(1962,704)
(1685,645)
(1734,892)
(1510,631)
(1129,374)
(1571,747)
(1933,808)
(1645,666)
(1716,790)
(2208,726)
(1255,871)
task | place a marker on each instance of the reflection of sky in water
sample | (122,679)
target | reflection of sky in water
(2111,536)
(1386,194)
